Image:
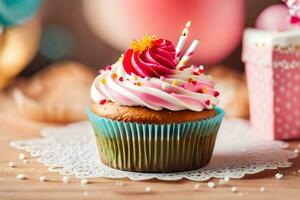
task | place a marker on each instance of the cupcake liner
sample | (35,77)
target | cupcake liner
(155,147)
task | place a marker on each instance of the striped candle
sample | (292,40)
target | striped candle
(182,39)
(188,53)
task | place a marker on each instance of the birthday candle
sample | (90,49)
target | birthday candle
(182,38)
(188,53)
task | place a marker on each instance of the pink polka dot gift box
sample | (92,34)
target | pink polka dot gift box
(272,62)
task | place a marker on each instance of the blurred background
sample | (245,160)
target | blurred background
(90,34)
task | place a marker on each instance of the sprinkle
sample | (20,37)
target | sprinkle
(296,150)
(21,156)
(84,181)
(120,183)
(196,73)
(139,84)
(25,161)
(162,78)
(121,79)
(216,94)
(278,176)
(299,170)
(183,86)
(21,176)
(135,78)
(226,179)
(103,81)
(194,82)
(233,189)
(102,102)
(148,189)
(196,186)
(262,189)
(207,102)
(174,83)
(201,68)
(190,80)
(203,90)
(42,178)
(114,76)
(108,67)
(66,179)
(181,68)
(11,164)
(165,86)
(211,184)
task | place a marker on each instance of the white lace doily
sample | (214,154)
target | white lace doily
(71,150)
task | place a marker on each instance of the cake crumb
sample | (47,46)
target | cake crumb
(21,156)
(21,176)
(66,179)
(278,176)
(211,184)
(148,189)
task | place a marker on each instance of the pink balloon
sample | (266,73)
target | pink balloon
(217,23)
(275,17)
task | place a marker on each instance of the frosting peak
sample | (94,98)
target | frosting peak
(150,58)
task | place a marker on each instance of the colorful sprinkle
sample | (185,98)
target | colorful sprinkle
(114,76)
(174,83)
(103,81)
(216,94)
(139,84)
(203,90)
(194,82)
(108,67)
(102,102)
(207,102)
(190,80)
(181,68)
(121,79)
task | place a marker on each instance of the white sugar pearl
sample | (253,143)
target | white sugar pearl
(201,67)
(278,176)
(42,178)
(84,181)
(262,189)
(148,189)
(226,179)
(233,189)
(25,161)
(21,156)
(11,164)
(196,186)
(66,179)
(211,184)
(21,176)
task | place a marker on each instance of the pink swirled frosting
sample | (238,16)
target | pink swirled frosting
(179,91)
(159,60)
(147,76)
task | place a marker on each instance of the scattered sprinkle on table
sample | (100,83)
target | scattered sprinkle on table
(66,179)
(262,189)
(211,184)
(233,189)
(21,176)
(196,186)
(42,178)
(11,164)
(278,176)
(21,156)
(148,189)
(226,179)
(84,181)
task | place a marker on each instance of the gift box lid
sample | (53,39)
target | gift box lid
(258,45)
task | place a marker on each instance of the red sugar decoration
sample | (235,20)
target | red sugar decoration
(216,94)
(102,102)
(196,73)
(207,102)
(181,68)
(108,67)
(194,82)
(121,79)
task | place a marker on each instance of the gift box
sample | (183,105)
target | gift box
(272,62)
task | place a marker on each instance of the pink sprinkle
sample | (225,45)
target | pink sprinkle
(216,94)
(207,102)
(102,102)
(161,77)
(108,67)
(194,82)
(121,79)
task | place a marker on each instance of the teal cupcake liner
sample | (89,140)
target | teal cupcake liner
(155,147)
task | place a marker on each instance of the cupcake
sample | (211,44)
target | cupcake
(153,114)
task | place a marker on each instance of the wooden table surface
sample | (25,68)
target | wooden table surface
(13,127)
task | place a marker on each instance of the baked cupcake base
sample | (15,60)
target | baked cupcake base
(149,147)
